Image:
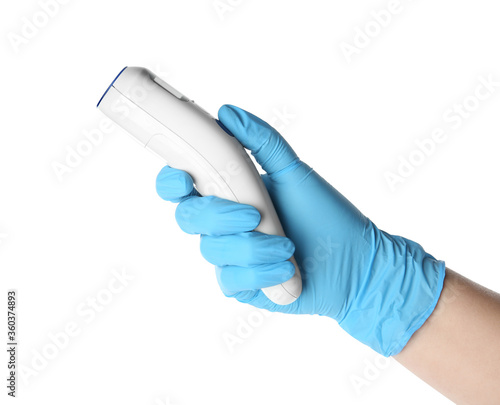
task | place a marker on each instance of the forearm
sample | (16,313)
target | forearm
(457,350)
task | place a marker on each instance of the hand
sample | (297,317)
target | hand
(380,288)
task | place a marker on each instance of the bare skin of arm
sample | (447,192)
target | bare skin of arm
(457,350)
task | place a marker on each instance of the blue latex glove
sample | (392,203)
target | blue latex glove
(379,287)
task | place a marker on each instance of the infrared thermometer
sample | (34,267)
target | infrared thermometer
(188,138)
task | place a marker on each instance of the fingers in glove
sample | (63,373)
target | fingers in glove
(174,185)
(215,216)
(233,279)
(270,149)
(246,249)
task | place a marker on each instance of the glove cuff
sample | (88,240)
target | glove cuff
(397,296)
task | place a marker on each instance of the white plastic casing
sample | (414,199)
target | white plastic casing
(186,137)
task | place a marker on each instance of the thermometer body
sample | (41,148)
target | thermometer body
(188,138)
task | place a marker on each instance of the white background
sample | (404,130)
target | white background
(161,339)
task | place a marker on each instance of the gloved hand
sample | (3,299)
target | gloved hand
(379,287)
